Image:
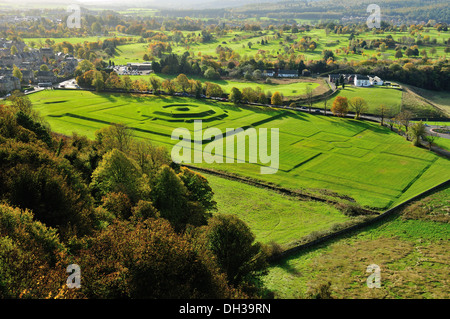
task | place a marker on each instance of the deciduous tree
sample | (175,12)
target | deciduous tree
(235,96)
(359,105)
(276,99)
(233,243)
(417,132)
(340,106)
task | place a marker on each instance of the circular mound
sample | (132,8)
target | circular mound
(187,113)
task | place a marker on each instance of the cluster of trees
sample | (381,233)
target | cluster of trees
(342,105)
(138,225)
(187,64)
(100,80)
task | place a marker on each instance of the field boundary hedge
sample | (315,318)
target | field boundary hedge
(359,226)
(282,190)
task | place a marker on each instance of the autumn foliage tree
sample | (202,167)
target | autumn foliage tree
(235,96)
(276,99)
(359,105)
(149,260)
(33,260)
(340,106)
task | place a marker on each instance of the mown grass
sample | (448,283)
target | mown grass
(442,143)
(374,96)
(360,160)
(411,248)
(273,217)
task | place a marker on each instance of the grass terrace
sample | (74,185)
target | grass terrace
(360,160)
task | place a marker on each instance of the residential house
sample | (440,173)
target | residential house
(27,76)
(10,60)
(332,78)
(7,72)
(376,81)
(348,78)
(9,83)
(45,77)
(287,73)
(362,80)
(306,72)
(46,52)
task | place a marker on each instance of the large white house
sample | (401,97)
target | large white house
(362,80)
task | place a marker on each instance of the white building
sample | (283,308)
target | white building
(376,81)
(287,73)
(362,80)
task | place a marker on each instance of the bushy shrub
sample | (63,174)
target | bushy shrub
(32,259)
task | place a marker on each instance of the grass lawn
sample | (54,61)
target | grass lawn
(374,96)
(130,53)
(443,143)
(411,249)
(270,215)
(361,160)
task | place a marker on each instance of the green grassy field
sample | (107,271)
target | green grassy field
(369,163)
(238,42)
(411,249)
(273,217)
(130,53)
(439,98)
(374,96)
(443,143)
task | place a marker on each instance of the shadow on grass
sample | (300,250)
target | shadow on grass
(359,126)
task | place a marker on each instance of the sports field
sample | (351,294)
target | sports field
(368,163)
